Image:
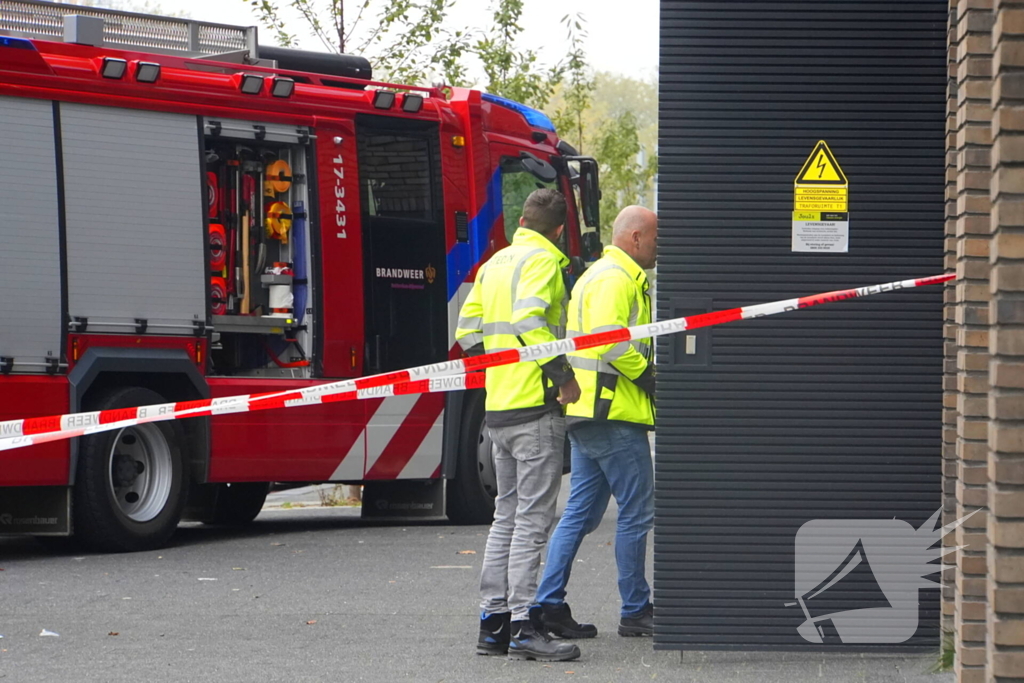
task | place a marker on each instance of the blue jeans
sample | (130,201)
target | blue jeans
(608,458)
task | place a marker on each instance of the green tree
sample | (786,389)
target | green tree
(411,42)
(577,91)
(408,41)
(626,174)
(619,127)
(329,29)
(512,72)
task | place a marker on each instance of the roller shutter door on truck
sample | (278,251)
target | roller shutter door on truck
(135,226)
(30,285)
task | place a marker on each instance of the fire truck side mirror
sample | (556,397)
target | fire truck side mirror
(590,192)
(538,168)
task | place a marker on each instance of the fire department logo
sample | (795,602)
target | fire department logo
(431,273)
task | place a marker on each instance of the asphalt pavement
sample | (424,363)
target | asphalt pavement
(315,594)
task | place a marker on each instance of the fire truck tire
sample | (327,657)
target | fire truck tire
(130,485)
(238,504)
(470,495)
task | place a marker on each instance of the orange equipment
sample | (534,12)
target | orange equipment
(279,221)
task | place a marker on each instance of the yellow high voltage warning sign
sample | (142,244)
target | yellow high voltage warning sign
(821,222)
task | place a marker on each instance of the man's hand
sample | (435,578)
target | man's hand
(569,392)
(647,379)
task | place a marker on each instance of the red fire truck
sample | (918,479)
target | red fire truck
(190,215)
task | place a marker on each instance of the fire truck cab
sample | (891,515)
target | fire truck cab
(191,215)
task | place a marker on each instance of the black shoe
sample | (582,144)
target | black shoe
(558,622)
(495,633)
(529,643)
(642,625)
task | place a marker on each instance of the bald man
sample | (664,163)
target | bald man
(608,428)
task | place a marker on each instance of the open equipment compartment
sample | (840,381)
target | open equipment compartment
(259,248)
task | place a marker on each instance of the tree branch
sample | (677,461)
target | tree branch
(338,18)
(309,14)
(355,23)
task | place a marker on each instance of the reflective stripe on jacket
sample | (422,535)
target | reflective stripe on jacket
(519,299)
(610,295)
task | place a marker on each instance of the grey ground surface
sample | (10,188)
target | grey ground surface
(394,602)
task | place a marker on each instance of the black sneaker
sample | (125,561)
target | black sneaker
(558,622)
(495,634)
(641,625)
(529,643)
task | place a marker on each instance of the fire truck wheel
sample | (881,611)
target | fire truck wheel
(130,487)
(238,504)
(470,496)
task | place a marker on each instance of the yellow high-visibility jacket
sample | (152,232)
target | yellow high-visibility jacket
(616,380)
(519,299)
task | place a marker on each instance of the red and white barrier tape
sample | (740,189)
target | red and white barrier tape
(452,375)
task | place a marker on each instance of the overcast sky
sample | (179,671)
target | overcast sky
(623,35)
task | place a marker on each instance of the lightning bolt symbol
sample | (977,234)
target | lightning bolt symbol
(821,165)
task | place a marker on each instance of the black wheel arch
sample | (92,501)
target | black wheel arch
(169,372)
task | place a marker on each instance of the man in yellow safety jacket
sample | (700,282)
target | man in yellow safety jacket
(608,428)
(519,299)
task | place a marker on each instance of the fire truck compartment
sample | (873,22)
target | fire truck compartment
(135,238)
(259,247)
(30,282)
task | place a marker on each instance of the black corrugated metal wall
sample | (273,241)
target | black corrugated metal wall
(828,413)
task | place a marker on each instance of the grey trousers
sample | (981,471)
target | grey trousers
(528,467)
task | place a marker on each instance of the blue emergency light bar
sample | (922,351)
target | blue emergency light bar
(17,43)
(535,118)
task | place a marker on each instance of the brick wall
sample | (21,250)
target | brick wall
(1005,457)
(967,333)
(949,390)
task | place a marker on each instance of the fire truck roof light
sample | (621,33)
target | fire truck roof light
(17,43)
(412,103)
(383,99)
(535,118)
(113,68)
(283,87)
(252,84)
(147,72)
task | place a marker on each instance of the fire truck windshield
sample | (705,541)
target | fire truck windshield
(516,185)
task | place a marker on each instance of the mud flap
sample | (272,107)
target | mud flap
(36,510)
(403,499)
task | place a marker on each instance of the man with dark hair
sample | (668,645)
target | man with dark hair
(544,211)
(519,299)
